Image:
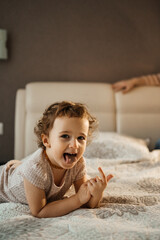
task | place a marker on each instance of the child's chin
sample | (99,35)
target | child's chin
(69,165)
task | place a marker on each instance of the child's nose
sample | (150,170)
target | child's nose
(74,143)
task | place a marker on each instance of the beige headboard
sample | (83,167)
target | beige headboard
(136,113)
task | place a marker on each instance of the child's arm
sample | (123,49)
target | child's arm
(96,187)
(40,208)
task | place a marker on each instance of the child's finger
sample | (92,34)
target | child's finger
(102,174)
(92,181)
(97,179)
(108,178)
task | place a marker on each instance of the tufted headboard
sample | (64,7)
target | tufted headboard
(136,113)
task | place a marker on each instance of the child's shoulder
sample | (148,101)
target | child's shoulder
(37,155)
(36,169)
(35,160)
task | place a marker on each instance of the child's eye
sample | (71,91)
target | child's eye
(65,136)
(81,138)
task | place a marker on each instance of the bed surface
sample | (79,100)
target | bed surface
(130,208)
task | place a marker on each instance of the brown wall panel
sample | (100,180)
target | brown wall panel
(74,40)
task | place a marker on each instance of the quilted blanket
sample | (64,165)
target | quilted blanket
(130,208)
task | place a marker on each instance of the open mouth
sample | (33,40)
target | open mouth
(69,157)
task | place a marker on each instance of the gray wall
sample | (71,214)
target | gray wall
(74,40)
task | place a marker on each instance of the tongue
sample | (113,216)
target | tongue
(69,158)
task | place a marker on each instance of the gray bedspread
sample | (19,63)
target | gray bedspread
(130,208)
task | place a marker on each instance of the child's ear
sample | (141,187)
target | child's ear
(45,140)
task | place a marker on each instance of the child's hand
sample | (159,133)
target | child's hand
(97,185)
(16,163)
(84,193)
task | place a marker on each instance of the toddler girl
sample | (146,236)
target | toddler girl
(43,177)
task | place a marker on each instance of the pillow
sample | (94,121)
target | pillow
(112,145)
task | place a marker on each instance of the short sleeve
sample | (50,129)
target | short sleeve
(80,169)
(35,173)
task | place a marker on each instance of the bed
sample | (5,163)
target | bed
(128,129)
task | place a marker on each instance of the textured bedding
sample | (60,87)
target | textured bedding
(130,208)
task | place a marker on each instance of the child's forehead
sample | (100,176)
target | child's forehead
(68,118)
(70,122)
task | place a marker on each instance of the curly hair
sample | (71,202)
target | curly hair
(62,109)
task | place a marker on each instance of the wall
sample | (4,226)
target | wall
(74,40)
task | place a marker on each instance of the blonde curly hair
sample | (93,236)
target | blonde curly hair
(61,109)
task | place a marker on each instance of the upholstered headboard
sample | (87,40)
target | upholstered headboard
(136,113)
